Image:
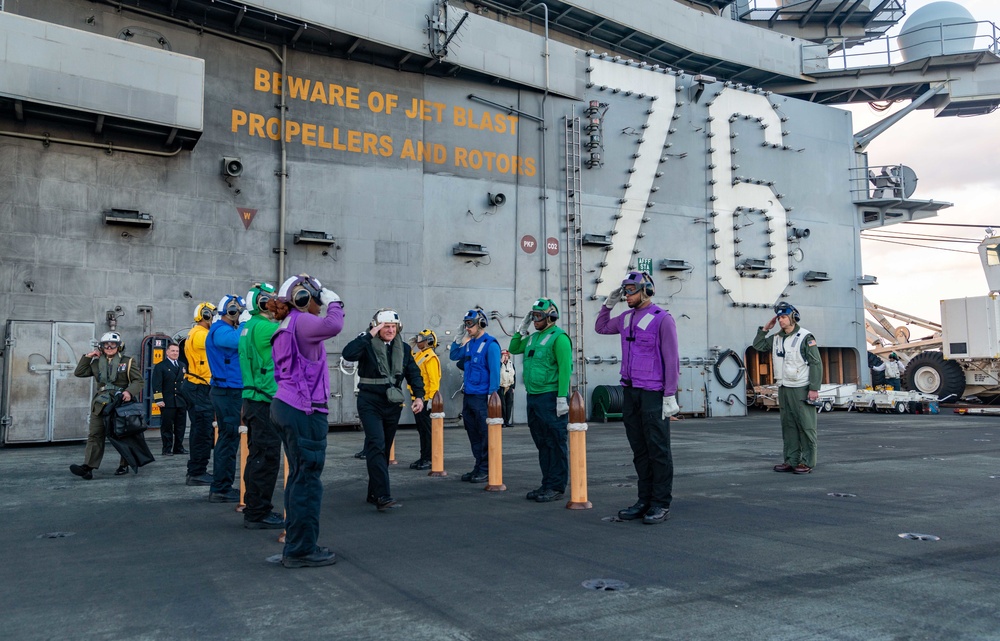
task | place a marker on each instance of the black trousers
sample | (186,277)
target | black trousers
(649,436)
(548,431)
(263,460)
(202,436)
(423,420)
(227,401)
(173,424)
(507,403)
(380,419)
(475,409)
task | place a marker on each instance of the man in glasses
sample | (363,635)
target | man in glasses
(798,372)
(548,366)
(649,372)
(478,356)
(114,373)
(222,346)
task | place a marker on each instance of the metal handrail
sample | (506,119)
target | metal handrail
(881,52)
(879,182)
(879,19)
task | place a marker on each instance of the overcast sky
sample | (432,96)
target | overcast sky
(954,162)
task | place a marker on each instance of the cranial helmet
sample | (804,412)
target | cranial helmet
(297,290)
(385,315)
(428,336)
(547,307)
(204,311)
(112,337)
(642,280)
(477,315)
(258,296)
(785,309)
(231,305)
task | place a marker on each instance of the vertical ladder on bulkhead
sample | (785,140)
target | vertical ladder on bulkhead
(573,323)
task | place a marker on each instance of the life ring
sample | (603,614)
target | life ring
(739,363)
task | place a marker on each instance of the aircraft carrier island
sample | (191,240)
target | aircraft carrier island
(434,156)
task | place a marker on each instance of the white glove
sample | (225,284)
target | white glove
(562,406)
(526,322)
(669,407)
(244,317)
(326,297)
(614,298)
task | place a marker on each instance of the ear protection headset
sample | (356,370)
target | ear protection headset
(232,305)
(784,308)
(428,336)
(641,278)
(479,315)
(650,288)
(204,311)
(548,307)
(386,315)
(258,297)
(297,291)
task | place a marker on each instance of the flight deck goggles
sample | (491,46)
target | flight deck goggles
(631,289)
(109,345)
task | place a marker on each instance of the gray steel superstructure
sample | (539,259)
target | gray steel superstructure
(431,157)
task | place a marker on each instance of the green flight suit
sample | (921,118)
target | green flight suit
(798,418)
(120,373)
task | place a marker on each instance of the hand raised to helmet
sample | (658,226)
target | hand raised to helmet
(327,296)
(614,298)
(525,326)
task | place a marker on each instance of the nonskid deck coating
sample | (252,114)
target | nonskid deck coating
(747,553)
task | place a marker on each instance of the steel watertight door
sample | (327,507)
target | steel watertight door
(42,400)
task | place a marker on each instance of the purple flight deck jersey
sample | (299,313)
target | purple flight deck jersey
(649,347)
(300,358)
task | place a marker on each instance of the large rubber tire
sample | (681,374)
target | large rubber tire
(930,373)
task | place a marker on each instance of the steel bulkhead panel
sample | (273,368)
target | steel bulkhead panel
(71,395)
(27,385)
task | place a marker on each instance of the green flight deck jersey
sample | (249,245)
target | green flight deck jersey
(548,360)
(256,363)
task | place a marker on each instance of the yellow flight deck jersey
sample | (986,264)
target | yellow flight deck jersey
(197,359)
(430,371)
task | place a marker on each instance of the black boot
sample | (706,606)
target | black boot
(83,471)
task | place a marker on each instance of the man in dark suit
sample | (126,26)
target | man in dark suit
(166,380)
